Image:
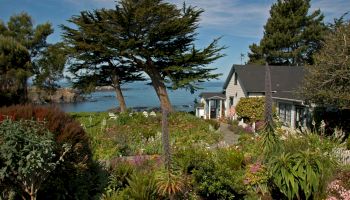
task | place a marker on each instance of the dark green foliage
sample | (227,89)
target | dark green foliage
(20,27)
(220,176)
(15,68)
(98,54)
(159,39)
(27,155)
(251,109)
(79,176)
(291,35)
(51,68)
(21,45)
(188,159)
(119,176)
(327,82)
(348,143)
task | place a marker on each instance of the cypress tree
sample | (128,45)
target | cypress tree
(97,54)
(291,35)
(159,40)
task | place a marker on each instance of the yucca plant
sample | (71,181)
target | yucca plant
(142,186)
(170,183)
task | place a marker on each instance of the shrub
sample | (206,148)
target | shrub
(251,109)
(221,175)
(79,177)
(348,143)
(27,154)
(188,159)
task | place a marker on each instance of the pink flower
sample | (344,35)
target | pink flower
(255,168)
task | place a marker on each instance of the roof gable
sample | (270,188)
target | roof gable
(284,79)
(212,95)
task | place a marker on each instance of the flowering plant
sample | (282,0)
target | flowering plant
(256,178)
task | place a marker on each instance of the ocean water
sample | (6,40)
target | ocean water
(139,94)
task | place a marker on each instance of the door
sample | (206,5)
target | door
(299,117)
(213,107)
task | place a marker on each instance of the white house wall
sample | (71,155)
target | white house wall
(235,91)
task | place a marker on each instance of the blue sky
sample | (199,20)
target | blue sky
(239,22)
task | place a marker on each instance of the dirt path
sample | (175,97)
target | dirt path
(230,137)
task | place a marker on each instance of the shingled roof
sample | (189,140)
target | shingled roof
(285,80)
(212,95)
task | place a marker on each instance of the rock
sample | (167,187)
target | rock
(61,95)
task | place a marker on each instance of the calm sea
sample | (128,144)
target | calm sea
(139,94)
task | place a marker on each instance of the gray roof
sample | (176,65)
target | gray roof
(212,95)
(285,80)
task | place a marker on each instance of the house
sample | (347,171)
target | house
(249,81)
(211,106)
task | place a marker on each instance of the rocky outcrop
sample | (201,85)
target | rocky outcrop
(62,95)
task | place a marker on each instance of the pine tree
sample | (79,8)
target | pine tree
(15,69)
(20,35)
(291,35)
(97,54)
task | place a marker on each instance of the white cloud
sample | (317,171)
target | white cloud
(331,8)
(235,17)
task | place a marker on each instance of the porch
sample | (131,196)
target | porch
(212,105)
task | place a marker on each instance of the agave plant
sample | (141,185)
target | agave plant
(170,183)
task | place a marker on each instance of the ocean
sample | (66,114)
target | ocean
(141,96)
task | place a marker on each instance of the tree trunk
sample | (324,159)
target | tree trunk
(166,107)
(120,98)
(161,91)
(165,140)
(119,93)
(33,197)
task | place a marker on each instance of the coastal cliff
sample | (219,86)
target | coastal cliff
(61,95)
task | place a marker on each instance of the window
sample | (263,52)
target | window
(235,80)
(300,118)
(285,113)
(231,101)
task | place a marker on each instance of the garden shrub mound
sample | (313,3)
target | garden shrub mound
(79,167)
(251,109)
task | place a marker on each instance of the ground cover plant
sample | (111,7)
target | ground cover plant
(133,134)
